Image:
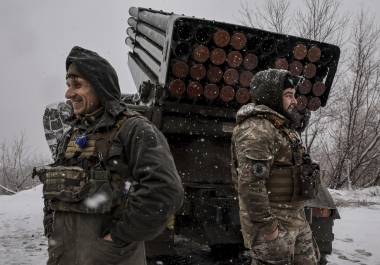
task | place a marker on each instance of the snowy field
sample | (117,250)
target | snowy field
(357,234)
(21,233)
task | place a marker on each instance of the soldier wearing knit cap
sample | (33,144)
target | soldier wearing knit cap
(271,175)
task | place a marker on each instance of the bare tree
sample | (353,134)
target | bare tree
(16,165)
(273,16)
(355,155)
(321,20)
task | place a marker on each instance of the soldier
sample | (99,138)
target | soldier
(114,183)
(272,173)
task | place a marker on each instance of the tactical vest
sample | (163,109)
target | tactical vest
(90,179)
(285,183)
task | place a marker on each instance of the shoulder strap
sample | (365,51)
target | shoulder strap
(120,125)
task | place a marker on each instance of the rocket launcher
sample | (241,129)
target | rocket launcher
(205,64)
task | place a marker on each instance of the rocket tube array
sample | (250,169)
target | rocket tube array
(214,64)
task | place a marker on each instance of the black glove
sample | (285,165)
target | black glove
(310,178)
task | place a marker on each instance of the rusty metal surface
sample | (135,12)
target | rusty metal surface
(228,46)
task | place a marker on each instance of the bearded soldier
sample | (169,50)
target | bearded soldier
(272,173)
(114,183)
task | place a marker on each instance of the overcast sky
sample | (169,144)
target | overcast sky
(37,35)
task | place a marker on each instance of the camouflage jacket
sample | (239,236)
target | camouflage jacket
(257,146)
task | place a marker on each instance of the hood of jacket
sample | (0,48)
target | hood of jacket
(267,87)
(102,76)
(251,110)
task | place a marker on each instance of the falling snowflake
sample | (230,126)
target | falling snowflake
(96,201)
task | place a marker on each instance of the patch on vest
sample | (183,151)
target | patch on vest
(259,169)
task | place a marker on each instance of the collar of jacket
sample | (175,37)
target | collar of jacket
(99,119)
(251,110)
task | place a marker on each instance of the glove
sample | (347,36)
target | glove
(310,178)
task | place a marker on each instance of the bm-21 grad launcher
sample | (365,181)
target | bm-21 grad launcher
(192,75)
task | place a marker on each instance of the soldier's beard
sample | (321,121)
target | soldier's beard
(295,118)
(298,120)
(288,112)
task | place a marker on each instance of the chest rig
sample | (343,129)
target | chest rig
(285,181)
(90,179)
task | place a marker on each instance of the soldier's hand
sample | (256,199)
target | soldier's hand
(271,236)
(108,237)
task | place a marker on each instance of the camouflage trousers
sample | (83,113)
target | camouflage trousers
(77,239)
(294,244)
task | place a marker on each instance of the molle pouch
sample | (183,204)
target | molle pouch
(309,181)
(74,189)
(68,184)
(100,197)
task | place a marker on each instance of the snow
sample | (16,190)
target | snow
(21,232)
(358,197)
(358,231)
(96,201)
(356,234)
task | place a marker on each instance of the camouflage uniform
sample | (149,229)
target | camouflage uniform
(266,163)
(123,182)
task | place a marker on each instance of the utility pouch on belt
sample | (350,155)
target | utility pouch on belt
(70,184)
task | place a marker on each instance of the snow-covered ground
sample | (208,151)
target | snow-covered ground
(357,234)
(21,233)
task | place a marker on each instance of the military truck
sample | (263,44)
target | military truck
(192,75)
